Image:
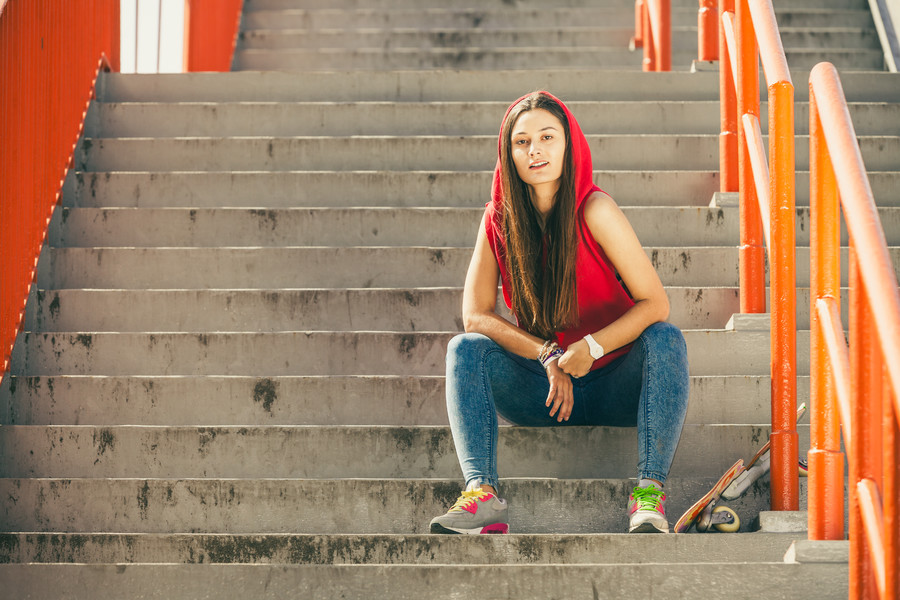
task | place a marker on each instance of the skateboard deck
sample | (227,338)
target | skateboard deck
(748,475)
(688,518)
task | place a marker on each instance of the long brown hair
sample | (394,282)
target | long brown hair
(542,293)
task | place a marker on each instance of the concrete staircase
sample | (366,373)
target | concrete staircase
(231,379)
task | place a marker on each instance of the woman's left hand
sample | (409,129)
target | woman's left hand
(577,360)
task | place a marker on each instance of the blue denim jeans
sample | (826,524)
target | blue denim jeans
(647,388)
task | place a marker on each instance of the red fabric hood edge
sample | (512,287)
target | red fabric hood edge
(581,157)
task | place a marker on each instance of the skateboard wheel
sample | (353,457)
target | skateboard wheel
(704,519)
(732,524)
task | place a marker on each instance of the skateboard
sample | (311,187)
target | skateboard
(706,513)
(701,513)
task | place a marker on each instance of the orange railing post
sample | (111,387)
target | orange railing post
(751,252)
(50,56)
(650,58)
(708,31)
(767,209)
(826,461)
(728,135)
(871,435)
(785,488)
(655,34)
(664,39)
(864,463)
(211,28)
(891,488)
(639,8)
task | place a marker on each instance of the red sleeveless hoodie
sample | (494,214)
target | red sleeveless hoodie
(601,297)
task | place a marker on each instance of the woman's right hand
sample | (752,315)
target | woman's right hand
(560,397)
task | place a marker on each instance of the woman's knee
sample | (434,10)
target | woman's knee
(664,337)
(467,346)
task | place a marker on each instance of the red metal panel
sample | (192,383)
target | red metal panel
(49,56)
(211,30)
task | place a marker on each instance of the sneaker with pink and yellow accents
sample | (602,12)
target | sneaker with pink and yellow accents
(474,512)
(647,510)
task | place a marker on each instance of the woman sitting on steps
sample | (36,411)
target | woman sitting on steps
(587,350)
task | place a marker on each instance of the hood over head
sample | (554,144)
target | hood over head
(581,158)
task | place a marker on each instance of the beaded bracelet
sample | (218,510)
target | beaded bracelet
(548,347)
(554,354)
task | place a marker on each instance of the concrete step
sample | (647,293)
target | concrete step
(255,5)
(355,267)
(147,581)
(324,452)
(683,38)
(413,37)
(328,506)
(309,400)
(272,190)
(422,309)
(387,118)
(835,36)
(502,17)
(710,352)
(438,58)
(290,189)
(454,153)
(136,119)
(346,309)
(182,227)
(515,57)
(514,549)
(457,227)
(454,86)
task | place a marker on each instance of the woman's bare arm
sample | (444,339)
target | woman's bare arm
(613,232)
(479,301)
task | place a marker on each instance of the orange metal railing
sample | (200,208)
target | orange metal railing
(211,29)
(766,207)
(856,389)
(708,30)
(653,32)
(50,55)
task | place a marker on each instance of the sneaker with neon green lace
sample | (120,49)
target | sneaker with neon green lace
(647,510)
(474,512)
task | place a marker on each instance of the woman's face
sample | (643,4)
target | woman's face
(538,147)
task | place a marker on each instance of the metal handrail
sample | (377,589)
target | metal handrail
(653,32)
(865,402)
(708,31)
(766,207)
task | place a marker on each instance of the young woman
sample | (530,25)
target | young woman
(589,348)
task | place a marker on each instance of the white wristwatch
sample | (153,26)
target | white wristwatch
(596,349)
